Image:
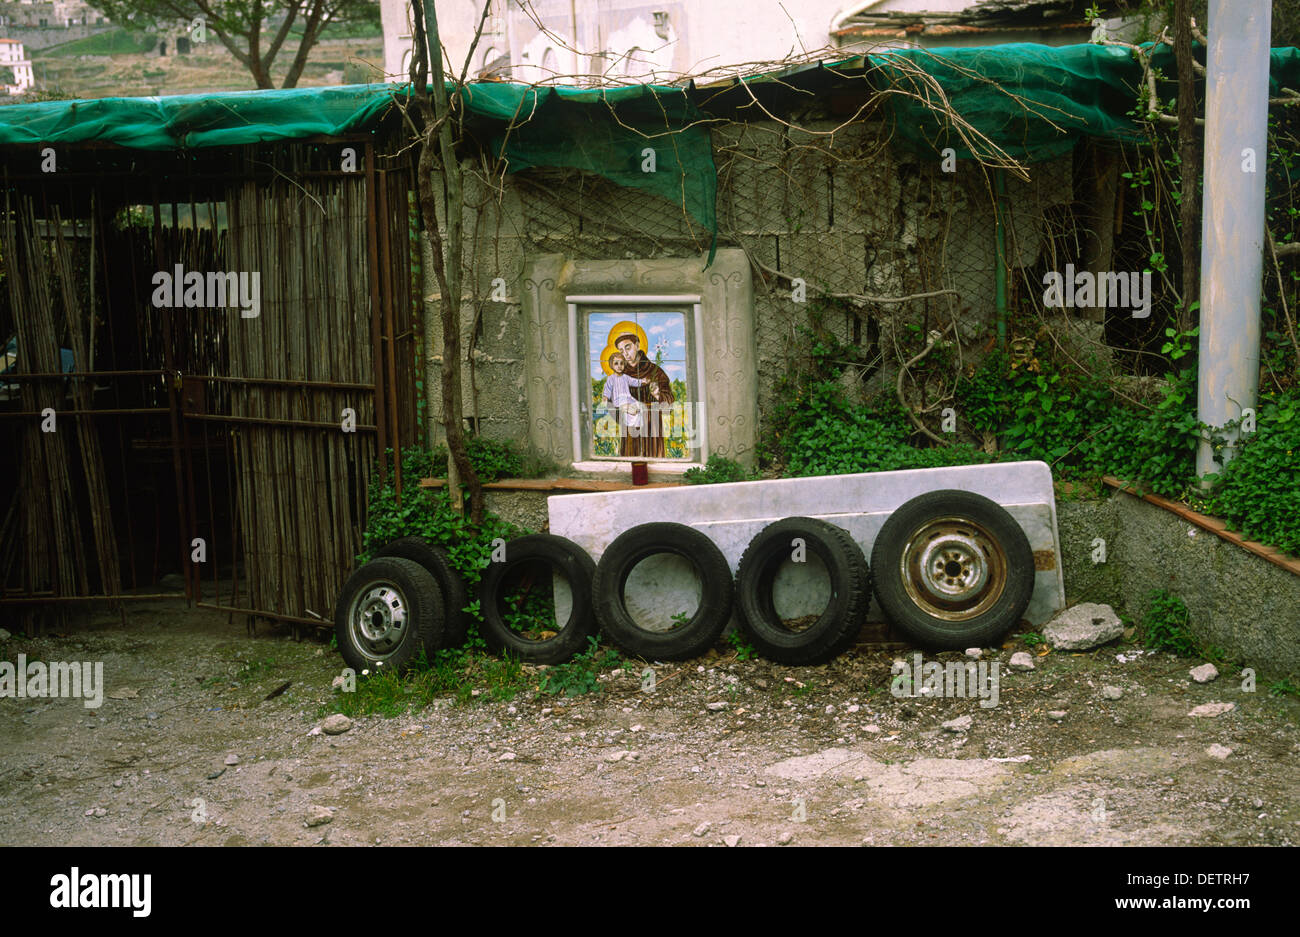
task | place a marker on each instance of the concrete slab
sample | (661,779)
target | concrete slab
(732,514)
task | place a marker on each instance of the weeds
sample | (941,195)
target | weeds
(1284,687)
(464,675)
(744,649)
(579,676)
(1165,625)
(254,669)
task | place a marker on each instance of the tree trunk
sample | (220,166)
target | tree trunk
(448,254)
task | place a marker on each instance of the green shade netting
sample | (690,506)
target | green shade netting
(1064,92)
(1035,102)
(645,137)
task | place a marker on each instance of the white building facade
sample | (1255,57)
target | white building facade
(581,42)
(15,63)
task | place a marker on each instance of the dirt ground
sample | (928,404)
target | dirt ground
(805,756)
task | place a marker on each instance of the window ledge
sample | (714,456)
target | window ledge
(596,466)
(554,484)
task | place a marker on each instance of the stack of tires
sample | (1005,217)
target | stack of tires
(950,569)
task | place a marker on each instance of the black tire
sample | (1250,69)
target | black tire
(454,594)
(973,591)
(524,558)
(692,638)
(371,634)
(837,626)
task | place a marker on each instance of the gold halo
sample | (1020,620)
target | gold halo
(619,329)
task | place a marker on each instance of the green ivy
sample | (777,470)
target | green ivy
(717,470)
(496,458)
(835,439)
(427,513)
(1258,493)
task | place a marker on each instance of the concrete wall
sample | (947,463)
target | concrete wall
(1236,600)
(836,205)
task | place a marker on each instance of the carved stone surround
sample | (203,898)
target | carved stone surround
(728,354)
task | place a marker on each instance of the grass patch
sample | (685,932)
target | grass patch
(254,669)
(455,674)
(109,42)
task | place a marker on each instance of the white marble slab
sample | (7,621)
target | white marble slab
(731,514)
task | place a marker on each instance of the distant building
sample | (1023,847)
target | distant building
(15,68)
(618,41)
(60,14)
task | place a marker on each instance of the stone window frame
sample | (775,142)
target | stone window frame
(726,348)
(577,372)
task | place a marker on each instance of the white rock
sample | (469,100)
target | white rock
(1204,673)
(336,724)
(974,653)
(232,759)
(715,707)
(733,840)
(1082,627)
(852,708)
(785,838)
(1111,692)
(616,756)
(338,682)
(507,756)
(1218,751)
(1021,660)
(701,830)
(960,724)
(873,728)
(1056,714)
(318,815)
(636,728)
(1212,709)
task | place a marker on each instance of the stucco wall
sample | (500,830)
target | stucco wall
(1236,601)
(834,203)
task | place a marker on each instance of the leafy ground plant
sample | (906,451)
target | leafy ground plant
(719,469)
(1165,625)
(744,649)
(579,676)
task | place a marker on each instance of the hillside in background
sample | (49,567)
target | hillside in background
(126,63)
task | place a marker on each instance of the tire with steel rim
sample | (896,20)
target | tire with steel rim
(387,611)
(952,570)
(455,596)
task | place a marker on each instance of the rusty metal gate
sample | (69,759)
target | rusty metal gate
(226,439)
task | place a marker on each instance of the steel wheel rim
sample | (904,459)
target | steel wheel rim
(953,569)
(378,619)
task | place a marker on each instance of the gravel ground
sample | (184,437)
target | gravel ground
(186,750)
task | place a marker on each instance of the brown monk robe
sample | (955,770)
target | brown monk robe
(647,440)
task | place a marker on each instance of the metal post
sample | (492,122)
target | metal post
(1232,225)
